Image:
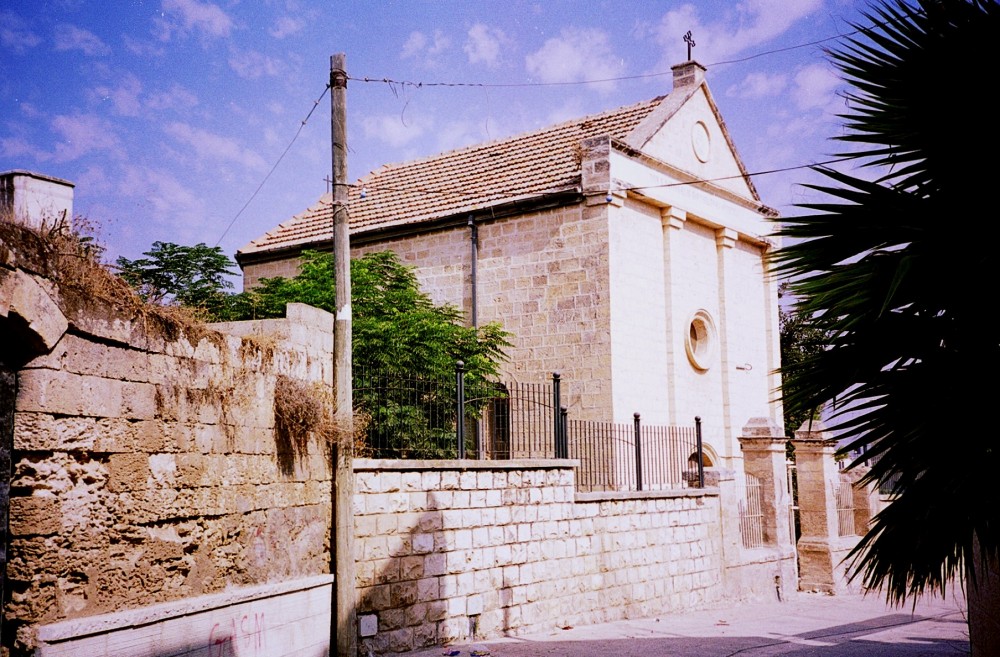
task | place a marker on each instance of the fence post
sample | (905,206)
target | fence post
(638,452)
(560,446)
(460,407)
(701,460)
(563,430)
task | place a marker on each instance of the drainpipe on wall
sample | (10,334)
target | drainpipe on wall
(474,237)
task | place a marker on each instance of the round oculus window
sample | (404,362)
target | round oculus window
(701,141)
(700,341)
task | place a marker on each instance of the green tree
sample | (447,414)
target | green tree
(171,274)
(395,326)
(405,348)
(801,341)
(893,269)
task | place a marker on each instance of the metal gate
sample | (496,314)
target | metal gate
(793,508)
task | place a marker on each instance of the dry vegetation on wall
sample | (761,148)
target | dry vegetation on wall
(65,252)
(307,411)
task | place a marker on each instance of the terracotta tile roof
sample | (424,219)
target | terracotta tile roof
(459,181)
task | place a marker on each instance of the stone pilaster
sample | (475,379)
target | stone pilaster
(672,220)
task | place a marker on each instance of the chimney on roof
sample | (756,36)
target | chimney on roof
(35,200)
(688,74)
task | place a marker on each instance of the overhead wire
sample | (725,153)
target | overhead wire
(275,166)
(764,53)
(394,85)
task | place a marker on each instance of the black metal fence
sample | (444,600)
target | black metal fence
(636,457)
(419,418)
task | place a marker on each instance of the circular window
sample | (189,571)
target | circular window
(700,340)
(701,141)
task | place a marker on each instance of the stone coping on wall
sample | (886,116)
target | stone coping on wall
(81,627)
(410,465)
(364,465)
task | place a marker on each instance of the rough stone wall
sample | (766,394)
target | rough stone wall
(446,553)
(147,467)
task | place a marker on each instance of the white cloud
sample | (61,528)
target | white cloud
(758,85)
(95,180)
(750,24)
(569,109)
(83,134)
(204,17)
(15,35)
(166,200)
(70,37)
(251,64)
(414,45)
(214,147)
(484,45)
(457,134)
(426,48)
(124,97)
(177,98)
(815,87)
(142,48)
(20,148)
(286,26)
(395,130)
(30,110)
(575,55)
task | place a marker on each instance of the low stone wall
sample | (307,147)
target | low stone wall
(448,551)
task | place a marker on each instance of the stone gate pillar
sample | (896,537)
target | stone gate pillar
(763,445)
(821,547)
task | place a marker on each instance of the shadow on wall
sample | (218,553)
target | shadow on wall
(436,566)
(407,598)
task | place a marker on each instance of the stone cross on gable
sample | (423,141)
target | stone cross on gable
(690,41)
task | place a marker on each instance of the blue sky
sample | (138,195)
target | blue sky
(182,120)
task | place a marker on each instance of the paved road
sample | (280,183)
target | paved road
(811,624)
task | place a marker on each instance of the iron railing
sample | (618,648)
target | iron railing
(420,418)
(752,514)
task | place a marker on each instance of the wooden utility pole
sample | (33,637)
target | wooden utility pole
(345,625)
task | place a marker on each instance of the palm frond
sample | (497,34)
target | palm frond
(889,269)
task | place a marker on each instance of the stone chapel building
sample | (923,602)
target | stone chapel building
(624,250)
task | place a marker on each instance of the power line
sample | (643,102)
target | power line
(408,83)
(418,85)
(275,166)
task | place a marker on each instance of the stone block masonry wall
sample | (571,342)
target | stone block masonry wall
(147,471)
(542,275)
(488,549)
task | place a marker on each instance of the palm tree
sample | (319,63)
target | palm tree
(897,268)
